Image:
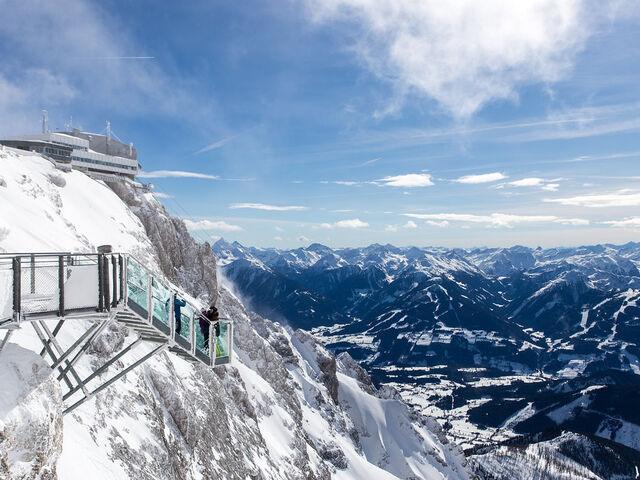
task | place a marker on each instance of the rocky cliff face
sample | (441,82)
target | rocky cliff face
(186,262)
(284,409)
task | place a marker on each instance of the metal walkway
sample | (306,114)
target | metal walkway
(49,290)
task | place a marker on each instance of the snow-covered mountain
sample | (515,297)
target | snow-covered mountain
(286,408)
(497,343)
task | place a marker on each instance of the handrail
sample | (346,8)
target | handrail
(205,350)
(63,283)
(38,254)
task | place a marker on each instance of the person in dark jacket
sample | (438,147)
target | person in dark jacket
(178,303)
(212,315)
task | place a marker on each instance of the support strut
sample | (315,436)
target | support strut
(115,378)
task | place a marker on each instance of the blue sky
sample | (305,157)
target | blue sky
(349,122)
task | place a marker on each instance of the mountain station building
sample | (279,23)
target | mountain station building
(99,156)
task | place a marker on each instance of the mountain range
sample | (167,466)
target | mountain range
(504,346)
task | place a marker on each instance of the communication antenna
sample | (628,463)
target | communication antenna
(131,149)
(45,121)
(108,134)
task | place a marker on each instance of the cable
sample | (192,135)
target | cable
(195,233)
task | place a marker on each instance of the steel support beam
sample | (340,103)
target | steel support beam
(104,367)
(6,338)
(94,331)
(54,333)
(60,350)
(115,378)
(48,350)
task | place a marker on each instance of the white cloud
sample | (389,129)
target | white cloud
(411,180)
(218,225)
(176,174)
(266,207)
(528,182)
(573,221)
(347,224)
(441,224)
(493,220)
(551,187)
(369,162)
(99,58)
(348,183)
(606,200)
(629,222)
(466,53)
(215,145)
(410,225)
(162,196)
(277,239)
(482,178)
(303,239)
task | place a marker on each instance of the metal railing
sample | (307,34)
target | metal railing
(33,286)
(152,298)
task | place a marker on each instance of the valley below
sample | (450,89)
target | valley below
(504,347)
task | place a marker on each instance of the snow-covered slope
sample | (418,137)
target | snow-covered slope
(569,456)
(44,209)
(285,409)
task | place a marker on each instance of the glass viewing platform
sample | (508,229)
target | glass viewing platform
(61,285)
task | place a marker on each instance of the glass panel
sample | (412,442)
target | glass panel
(161,301)
(202,330)
(223,340)
(39,284)
(184,316)
(6,289)
(81,284)
(137,281)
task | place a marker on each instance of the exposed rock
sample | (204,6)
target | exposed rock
(186,262)
(30,416)
(57,180)
(350,367)
(334,455)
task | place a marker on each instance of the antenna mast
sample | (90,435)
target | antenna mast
(45,121)
(108,135)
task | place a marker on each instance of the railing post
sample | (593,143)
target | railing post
(192,331)
(230,340)
(114,278)
(33,273)
(100,284)
(212,343)
(150,298)
(122,285)
(105,283)
(61,280)
(172,316)
(17,287)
